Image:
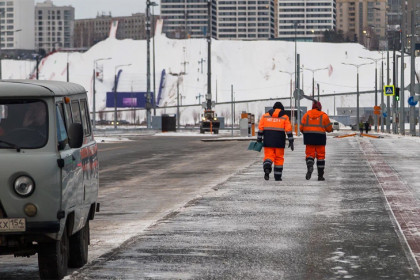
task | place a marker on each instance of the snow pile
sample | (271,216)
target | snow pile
(252,67)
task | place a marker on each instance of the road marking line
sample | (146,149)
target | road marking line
(404,205)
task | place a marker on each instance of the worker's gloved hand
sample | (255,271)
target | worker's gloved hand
(291,145)
(259,138)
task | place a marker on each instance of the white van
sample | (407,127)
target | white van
(49,173)
(336,126)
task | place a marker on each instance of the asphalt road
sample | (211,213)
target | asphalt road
(248,228)
(141,182)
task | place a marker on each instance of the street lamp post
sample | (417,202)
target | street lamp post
(115,93)
(94,89)
(357,67)
(178,117)
(291,94)
(376,86)
(148,97)
(313,79)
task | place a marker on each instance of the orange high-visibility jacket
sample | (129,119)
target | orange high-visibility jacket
(314,126)
(273,127)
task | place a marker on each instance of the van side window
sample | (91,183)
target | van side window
(75,111)
(61,128)
(85,117)
(67,115)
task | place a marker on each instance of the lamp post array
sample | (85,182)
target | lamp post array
(357,67)
(148,93)
(313,79)
(94,89)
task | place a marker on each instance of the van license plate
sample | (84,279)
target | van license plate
(12,225)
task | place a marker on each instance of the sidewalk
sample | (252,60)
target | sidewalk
(249,228)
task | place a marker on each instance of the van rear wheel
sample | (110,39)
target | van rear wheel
(53,257)
(79,246)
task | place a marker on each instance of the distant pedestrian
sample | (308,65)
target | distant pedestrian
(361,127)
(314,125)
(366,127)
(272,130)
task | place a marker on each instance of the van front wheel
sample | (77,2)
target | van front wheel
(79,245)
(53,257)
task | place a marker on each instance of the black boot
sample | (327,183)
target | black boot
(310,164)
(278,172)
(267,169)
(321,166)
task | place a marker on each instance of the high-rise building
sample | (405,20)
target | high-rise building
(53,26)
(88,32)
(362,21)
(231,19)
(17,24)
(184,18)
(243,19)
(305,19)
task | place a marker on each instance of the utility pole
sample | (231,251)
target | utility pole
(148,93)
(403,37)
(231,93)
(357,85)
(178,117)
(388,101)
(154,61)
(413,73)
(382,94)
(208,96)
(394,83)
(297,88)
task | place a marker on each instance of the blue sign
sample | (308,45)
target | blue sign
(411,101)
(127,99)
(384,114)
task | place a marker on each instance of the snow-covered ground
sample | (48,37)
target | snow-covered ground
(251,67)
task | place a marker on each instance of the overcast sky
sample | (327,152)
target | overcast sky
(90,8)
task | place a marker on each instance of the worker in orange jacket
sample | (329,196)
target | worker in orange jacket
(314,126)
(272,129)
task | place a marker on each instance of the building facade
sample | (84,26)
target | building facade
(17,24)
(54,26)
(88,32)
(305,19)
(184,18)
(362,21)
(231,19)
(243,19)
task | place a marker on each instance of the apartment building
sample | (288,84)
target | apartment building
(184,18)
(362,21)
(88,32)
(231,19)
(305,20)
(16,25)
(53,26)
(243,19)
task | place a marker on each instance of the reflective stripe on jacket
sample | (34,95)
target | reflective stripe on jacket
(273,127)
(314,126)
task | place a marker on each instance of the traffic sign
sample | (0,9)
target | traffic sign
(389,90)
(298,94)
(377,110)
(413,100)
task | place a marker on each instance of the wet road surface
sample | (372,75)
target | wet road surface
(248,228)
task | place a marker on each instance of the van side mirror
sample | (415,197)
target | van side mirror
(75,135)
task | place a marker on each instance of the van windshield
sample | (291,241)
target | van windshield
(23,123)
